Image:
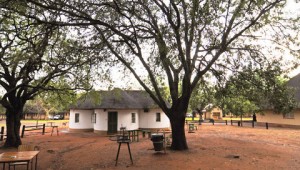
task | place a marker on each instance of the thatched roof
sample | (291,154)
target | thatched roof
(295,84)
(116,99)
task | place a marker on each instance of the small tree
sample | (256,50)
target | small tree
(58,100)
(202,97)
(35,107)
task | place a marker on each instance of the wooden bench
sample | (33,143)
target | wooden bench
(148,132)
(54,127)
(134,135)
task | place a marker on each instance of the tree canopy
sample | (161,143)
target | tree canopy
(203,97)
(31,56)
(254,90)
(175,42)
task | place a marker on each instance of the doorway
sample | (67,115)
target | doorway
(112,123)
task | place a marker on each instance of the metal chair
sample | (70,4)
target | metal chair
(24,148)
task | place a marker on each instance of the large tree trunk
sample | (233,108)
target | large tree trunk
(13,123)
(178,134)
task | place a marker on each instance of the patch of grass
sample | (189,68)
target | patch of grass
(34,121)
(238,118)
(190,118)
(43,121)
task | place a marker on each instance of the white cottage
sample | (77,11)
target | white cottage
(105,112)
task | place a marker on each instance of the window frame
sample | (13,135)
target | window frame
(93,118)
(158,117)
(289,115)
(77,117)
(133,117)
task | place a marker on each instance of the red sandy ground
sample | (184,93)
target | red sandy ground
(210,147)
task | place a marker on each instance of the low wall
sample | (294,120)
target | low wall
(81,130)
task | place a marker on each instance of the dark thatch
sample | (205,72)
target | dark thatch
(116,99)
(294,83)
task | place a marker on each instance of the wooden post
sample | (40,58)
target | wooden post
(252,123)
(267,125)
(239,123)
(43,129)
(23,130)
(226,122)
(2,133)
(231,122)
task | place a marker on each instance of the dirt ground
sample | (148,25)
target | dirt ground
(210,147)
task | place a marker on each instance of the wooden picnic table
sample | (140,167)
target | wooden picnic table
(133,134)
(24,156)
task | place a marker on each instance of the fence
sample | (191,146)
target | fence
(2,135)
(32,128)
(232,122)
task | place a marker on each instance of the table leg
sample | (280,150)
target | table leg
(36,159)
(118,154)
(130,135)
(3,165)
(129,153)
(134,135)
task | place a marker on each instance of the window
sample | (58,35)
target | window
(288,116)
(76,117)
(94,118)
(157,117)
(133,118)
(216,114)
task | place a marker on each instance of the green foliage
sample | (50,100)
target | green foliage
(254,90)
(2,110)
(35,57)
(202,96)
(58,100)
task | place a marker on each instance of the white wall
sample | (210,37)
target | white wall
(143,119)
(101,120)
(84,119)
(148,119)
(124,119)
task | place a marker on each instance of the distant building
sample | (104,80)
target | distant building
(215,113)
(291,119)
(105,112)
